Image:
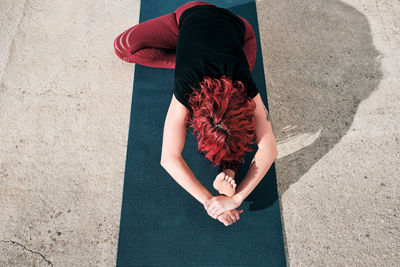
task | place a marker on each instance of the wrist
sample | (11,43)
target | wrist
(207,197)
(238,198)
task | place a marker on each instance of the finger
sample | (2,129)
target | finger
(229,179)
(219,211)
(222,218)
(211,207)
(216,207)
(237,215)
(240,211)
(211,215)
(214,217)
(214,213)
(211,212)
(229,220)
(207,208)
(233,217)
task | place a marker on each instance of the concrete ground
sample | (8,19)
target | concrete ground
(332,73)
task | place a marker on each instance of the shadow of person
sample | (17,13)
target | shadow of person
(320,63)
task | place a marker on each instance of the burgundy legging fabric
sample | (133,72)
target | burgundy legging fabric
(153,42)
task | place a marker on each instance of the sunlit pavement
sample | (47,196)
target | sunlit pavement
(332,73)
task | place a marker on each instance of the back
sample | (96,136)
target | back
(210,43)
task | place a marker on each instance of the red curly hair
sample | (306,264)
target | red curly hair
(222,117)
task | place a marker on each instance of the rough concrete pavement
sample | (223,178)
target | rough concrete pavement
(332,73)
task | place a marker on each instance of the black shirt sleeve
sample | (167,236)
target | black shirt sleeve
(182,93)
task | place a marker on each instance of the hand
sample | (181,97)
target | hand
(216,205)
(229,217)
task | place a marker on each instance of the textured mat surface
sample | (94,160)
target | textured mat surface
(163,225)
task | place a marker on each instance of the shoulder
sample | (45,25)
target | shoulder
(178,106)
(175,128)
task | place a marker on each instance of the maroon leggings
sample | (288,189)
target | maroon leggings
(153,42)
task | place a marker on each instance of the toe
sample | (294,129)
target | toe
(220,177)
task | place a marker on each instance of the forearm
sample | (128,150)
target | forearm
(183,175)
(259,166)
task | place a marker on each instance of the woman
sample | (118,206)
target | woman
(213,52)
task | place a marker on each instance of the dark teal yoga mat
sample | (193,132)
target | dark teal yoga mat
(162,224)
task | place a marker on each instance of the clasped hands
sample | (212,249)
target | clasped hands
(223,208)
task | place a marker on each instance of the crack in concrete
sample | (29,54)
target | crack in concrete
(35,252)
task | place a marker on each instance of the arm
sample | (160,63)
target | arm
(171,159)
(265,155)
(180,171)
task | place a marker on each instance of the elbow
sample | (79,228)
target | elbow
(270,147)
(276,153)
(275,149)
(273,152)
(162,162)
(165,159)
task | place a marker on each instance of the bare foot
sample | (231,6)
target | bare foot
(225,184)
